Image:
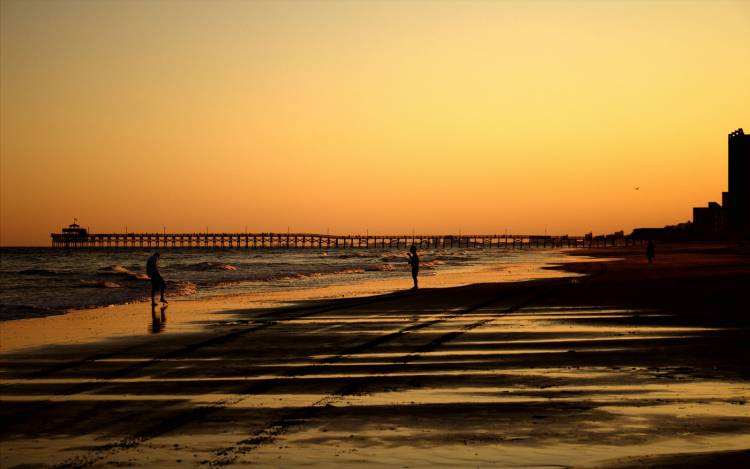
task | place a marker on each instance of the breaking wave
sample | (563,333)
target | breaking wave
(380,268)
(44,272)
(115,269)
(206,266)
(181,288)
(121,271)
(99,284)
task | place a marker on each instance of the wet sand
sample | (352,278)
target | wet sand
(629,365)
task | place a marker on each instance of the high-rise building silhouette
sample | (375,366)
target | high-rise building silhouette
(709,220)
(732,217)
(737,203)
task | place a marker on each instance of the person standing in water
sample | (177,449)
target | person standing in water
(414,262)
(157,282)
(650,252)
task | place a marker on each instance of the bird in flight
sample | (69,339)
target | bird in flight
(637,188)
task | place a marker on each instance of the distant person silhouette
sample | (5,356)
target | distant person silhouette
(157,282)
(414,262)
(650,252)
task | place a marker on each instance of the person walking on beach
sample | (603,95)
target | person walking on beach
(414,262)
(650,252)
(157,282)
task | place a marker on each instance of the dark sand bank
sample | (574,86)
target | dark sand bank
(677,461)
(633,365)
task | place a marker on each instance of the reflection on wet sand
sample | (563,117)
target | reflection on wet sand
(382,384)
(158,322)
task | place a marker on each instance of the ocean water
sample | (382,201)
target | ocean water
(46,281)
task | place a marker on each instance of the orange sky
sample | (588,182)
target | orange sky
(355,116)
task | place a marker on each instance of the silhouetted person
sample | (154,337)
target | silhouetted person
(650,252)
(414,262)
(157,282)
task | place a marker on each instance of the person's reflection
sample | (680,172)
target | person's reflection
(158,322)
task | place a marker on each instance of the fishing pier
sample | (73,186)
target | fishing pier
(76,237)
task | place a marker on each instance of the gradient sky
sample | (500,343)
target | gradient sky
(354,116)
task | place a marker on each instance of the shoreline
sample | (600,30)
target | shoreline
(48,286)
(627,364)
(121,320)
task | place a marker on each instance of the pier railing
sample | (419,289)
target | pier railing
(325,241)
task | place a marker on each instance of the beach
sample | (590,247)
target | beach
(606,362)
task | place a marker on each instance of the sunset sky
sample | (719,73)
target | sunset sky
(354,116)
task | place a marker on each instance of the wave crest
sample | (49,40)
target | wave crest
(122,272)
(206,265)
(99,284)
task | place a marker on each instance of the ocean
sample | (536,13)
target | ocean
(38,282)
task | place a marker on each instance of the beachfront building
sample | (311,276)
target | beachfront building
(709,220)
(737,204)
(732,217)
(679,232)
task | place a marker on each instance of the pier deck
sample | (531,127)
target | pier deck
(326,241)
